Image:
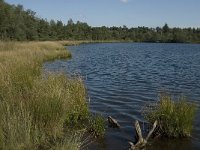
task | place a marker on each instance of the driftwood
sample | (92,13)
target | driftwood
(113,123)
(141,142)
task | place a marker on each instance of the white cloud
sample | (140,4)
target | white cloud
(124,1)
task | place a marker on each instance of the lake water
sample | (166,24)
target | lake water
(122,77)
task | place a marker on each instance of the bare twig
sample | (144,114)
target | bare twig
(152,130)
(113,123)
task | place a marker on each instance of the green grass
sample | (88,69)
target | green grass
(97,125)
(34,108)
(175,117)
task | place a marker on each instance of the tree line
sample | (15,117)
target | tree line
(19,24)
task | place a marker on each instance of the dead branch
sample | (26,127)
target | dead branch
(152,130)
(141,142)
(113,123)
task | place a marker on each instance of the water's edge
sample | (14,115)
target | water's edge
(122,77)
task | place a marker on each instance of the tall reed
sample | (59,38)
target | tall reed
(33,108)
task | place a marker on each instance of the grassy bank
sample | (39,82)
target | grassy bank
(36,111)
(78,42)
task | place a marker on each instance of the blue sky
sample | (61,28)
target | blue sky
(132,13)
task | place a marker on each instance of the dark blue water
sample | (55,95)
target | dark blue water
(122,77)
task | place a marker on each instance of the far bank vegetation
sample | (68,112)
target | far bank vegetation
(19,24)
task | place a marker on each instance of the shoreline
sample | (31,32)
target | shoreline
(77,42)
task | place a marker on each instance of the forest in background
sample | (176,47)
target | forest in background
(18,24)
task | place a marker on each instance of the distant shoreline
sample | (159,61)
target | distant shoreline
(79,42)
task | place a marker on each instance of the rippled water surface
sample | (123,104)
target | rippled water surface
(123,77)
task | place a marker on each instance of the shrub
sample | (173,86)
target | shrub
(175,118)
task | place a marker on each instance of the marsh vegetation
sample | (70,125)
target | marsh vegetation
(175,117)
(36,111)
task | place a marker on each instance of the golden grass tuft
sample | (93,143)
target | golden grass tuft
(175,117)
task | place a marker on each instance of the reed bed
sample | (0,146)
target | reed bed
(35,110)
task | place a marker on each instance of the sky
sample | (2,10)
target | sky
(132,13)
